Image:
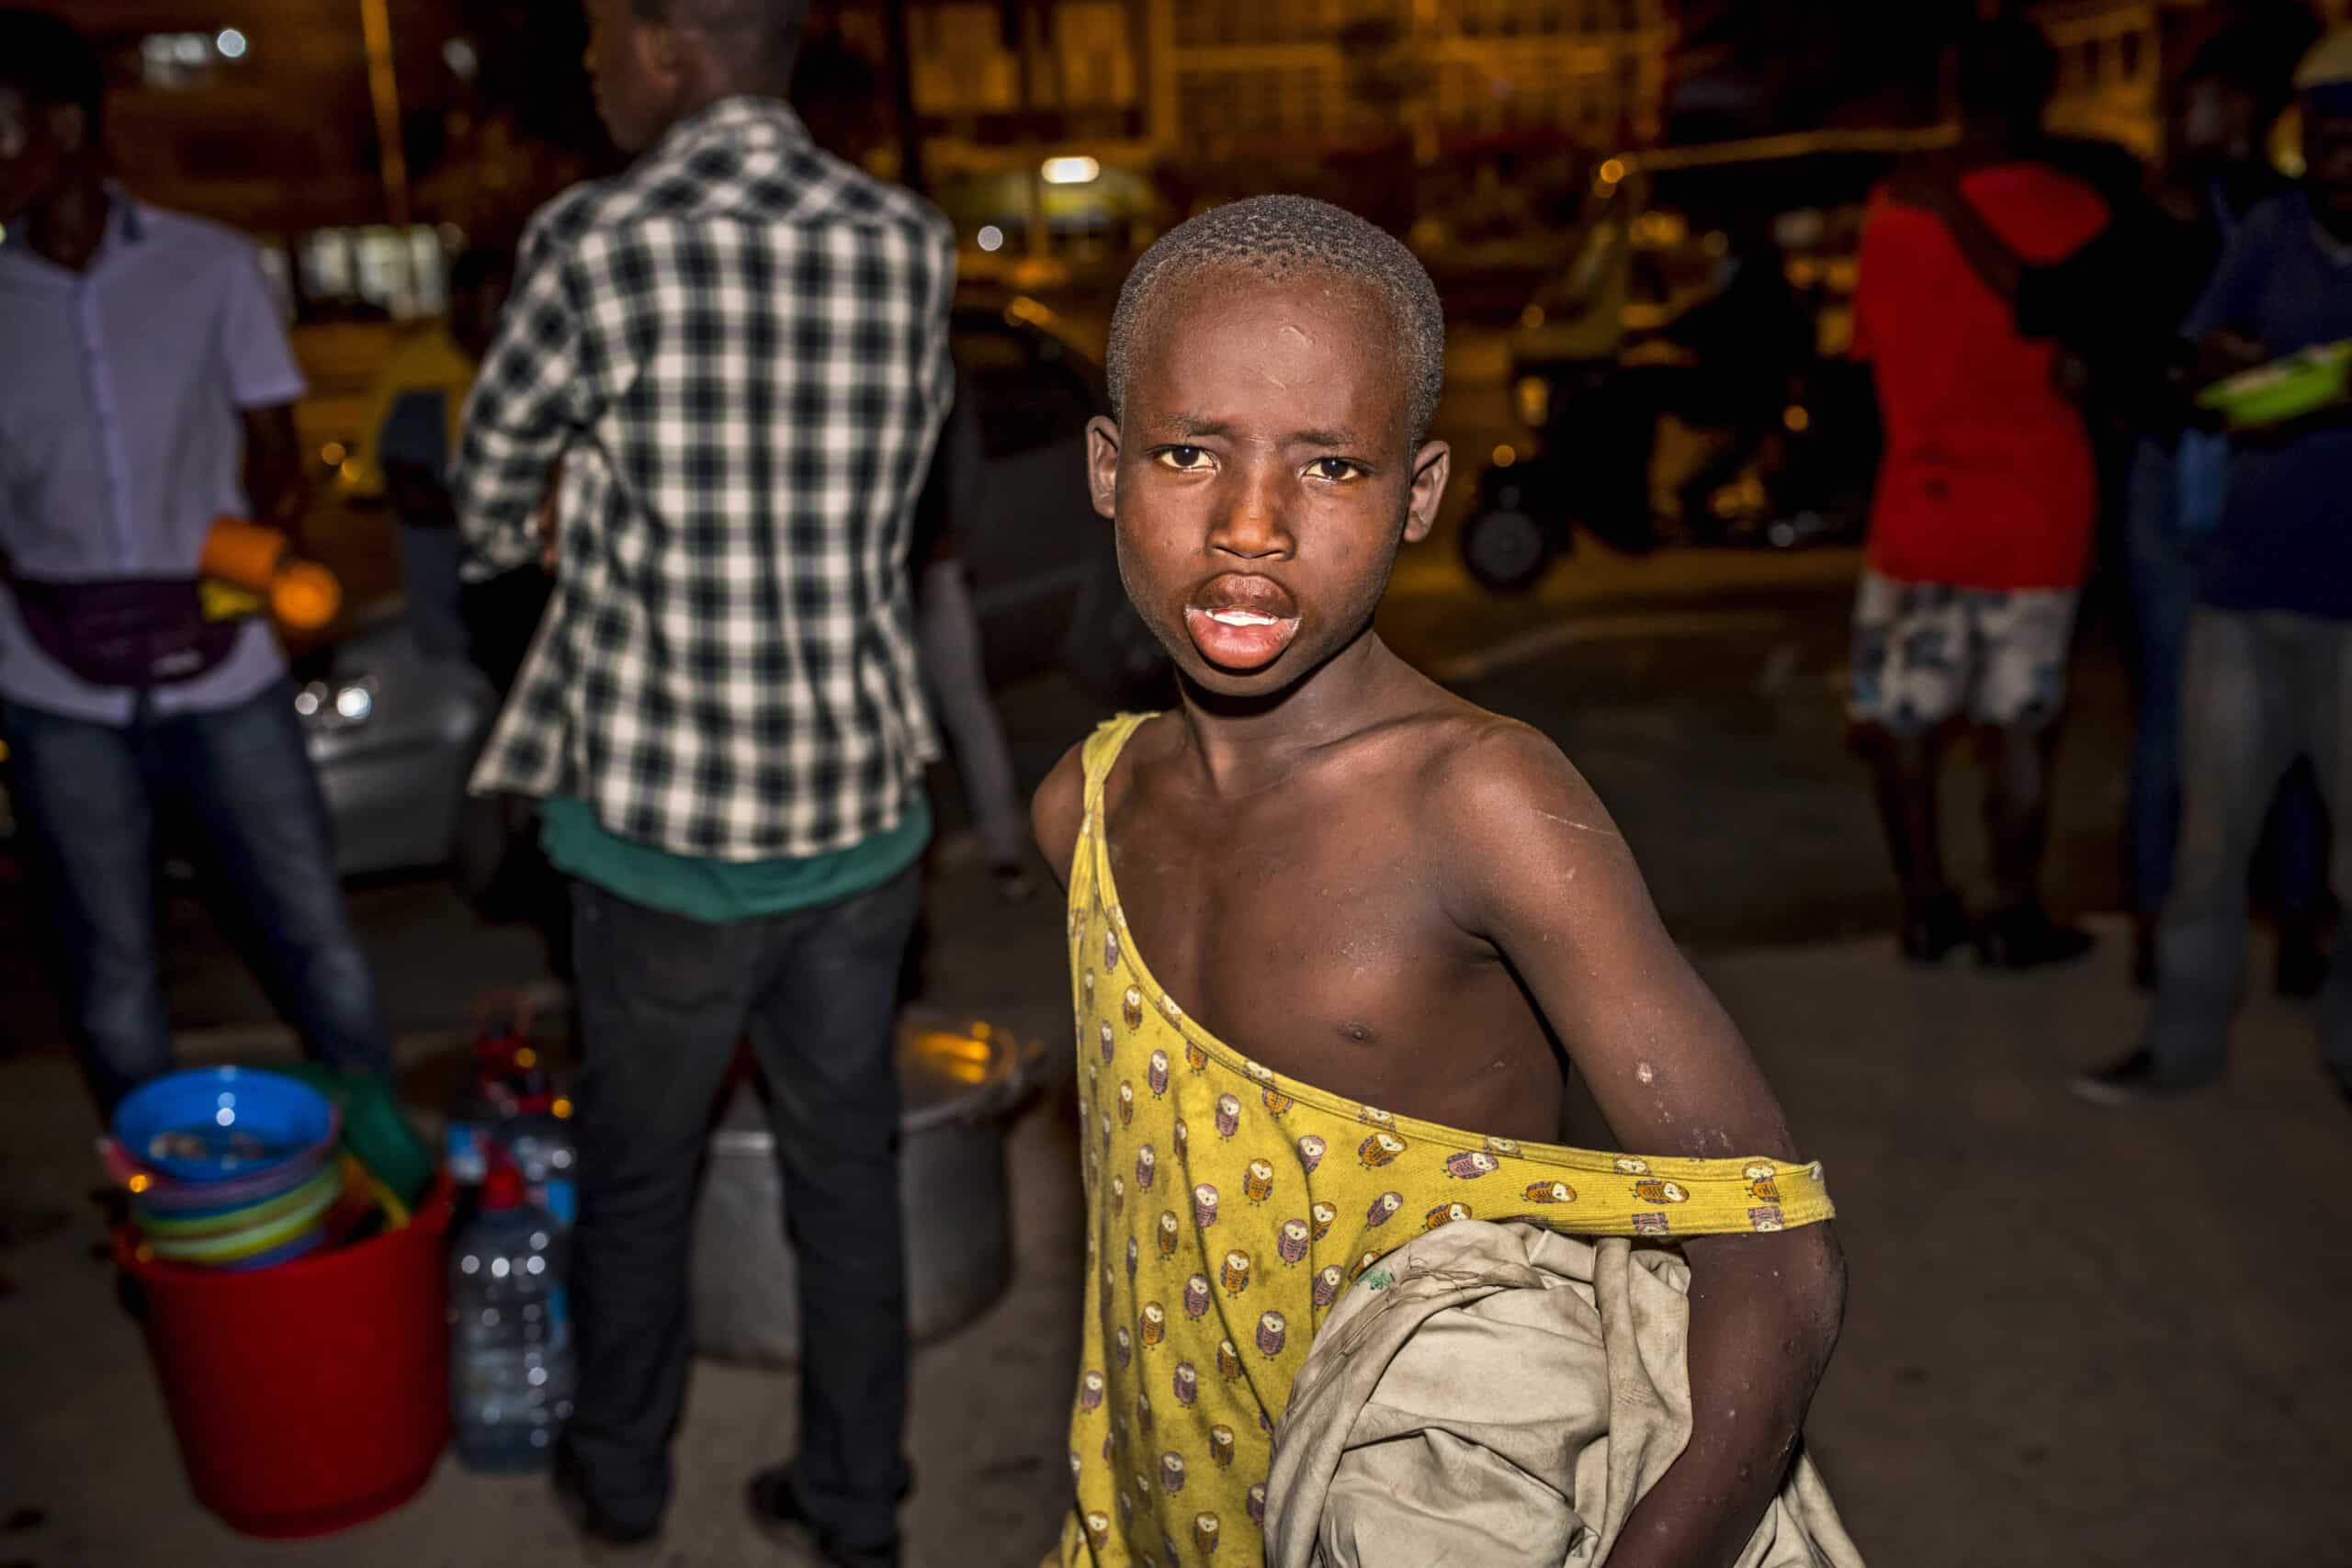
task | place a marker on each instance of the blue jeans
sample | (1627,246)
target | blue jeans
(2262,689)
(660,1002)
(2162,579)
(90,795)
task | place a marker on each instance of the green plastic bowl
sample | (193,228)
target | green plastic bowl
(374,1128)
(2302,383)
(163,1224)
(248,1243)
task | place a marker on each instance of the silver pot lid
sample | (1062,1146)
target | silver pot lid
(951,1067)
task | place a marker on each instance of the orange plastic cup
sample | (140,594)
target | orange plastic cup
(243,553)
(305,596)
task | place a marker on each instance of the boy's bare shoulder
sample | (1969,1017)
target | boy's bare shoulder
(1473,761)
(1495,792)
(1056,810)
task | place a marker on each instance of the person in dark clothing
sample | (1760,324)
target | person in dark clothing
(2116,306)
(1737,351)
(954,674)
(2269,673)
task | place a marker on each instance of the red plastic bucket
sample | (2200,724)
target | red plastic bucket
(311,1395)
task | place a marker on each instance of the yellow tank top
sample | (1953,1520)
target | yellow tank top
(1227,1209)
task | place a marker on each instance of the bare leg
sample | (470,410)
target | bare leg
(1903,769)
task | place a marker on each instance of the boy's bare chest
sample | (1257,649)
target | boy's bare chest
(1312,937)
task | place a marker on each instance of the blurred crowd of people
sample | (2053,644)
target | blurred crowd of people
(2026,313)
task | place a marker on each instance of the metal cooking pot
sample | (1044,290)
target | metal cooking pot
(957,1078)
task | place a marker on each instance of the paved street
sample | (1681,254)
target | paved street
(2076,1339)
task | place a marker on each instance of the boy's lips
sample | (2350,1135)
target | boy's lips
(1240,622)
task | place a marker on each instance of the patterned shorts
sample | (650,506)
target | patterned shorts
(1923,651)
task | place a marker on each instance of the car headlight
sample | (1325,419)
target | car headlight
(1531,396)
(341,704)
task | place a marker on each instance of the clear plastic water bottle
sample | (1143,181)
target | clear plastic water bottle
(509,1333)
(540,1142)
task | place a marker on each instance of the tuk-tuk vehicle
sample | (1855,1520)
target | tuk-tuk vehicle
(1686,375)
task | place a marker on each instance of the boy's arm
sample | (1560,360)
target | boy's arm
(1536,867)
(1057,808)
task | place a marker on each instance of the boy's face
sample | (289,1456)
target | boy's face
(1263,478)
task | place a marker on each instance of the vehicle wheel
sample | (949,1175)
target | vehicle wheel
(1505,549)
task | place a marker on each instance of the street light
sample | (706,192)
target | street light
(1075,171)
(230,43)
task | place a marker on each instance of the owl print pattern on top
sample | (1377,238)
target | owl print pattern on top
(1228,1209)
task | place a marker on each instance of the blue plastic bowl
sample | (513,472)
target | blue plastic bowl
(223,1123)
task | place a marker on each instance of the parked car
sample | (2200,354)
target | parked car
(394,735)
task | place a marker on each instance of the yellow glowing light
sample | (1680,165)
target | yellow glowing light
(527,1058)
(349,470)
(139,1182)
(980,1031)
(1074,171)
(1531,318)
(560,1108)
(1505,456)
(1796,417)
(333,454)
(1612,171)
(1532,397)
(957,1056)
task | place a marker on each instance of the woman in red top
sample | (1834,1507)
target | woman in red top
(1987,500)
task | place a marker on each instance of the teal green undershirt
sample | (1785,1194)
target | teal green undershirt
(718,891)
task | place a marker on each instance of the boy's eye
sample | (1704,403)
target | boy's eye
(1338,471)
(1185,459)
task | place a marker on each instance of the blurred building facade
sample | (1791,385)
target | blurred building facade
(2118,58)
(367,117)
(1143,79)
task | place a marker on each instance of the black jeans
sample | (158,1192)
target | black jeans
(662,1000)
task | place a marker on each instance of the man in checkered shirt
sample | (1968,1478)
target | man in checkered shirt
(712,402)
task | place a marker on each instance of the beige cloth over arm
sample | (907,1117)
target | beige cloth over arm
(1503,1395)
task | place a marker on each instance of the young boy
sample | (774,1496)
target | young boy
(1325,885)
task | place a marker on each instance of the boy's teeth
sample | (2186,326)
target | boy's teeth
(1241,618)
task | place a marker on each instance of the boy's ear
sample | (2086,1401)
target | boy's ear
(1103,464)
(1431,465)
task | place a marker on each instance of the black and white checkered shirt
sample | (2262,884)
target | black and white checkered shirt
(738,349)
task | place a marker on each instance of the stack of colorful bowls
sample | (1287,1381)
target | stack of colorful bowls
(228,1167)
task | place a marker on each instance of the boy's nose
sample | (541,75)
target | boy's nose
(1255,526)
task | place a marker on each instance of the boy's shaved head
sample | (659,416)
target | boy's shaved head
(1280,237)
